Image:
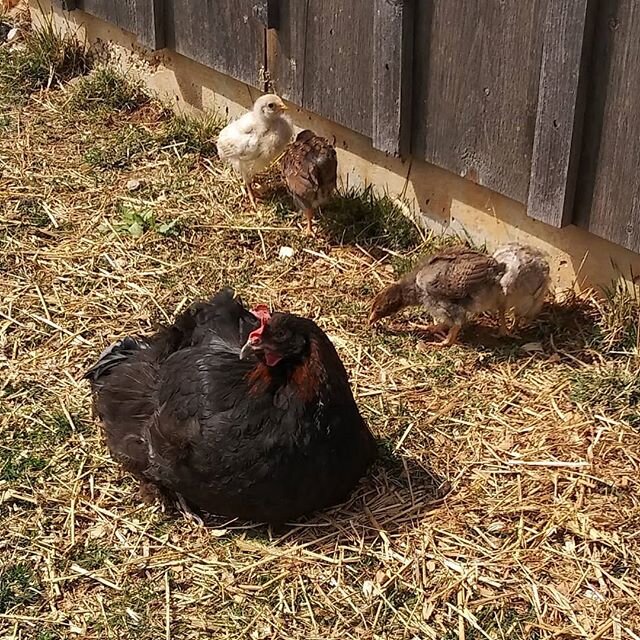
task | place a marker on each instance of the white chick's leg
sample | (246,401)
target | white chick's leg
(308,214)
(251,195)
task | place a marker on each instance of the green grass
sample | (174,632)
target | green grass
(620,318)
(612,389)
(136,219)
(47,59)
(26,453)
(360,215)
(120,148)
(18,587)
(106,89)
(192,134)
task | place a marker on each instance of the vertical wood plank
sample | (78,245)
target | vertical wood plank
(121,13)
(67,5)
(322,59)
(268,13)
(392,75)
(561,102)
(608,193)
(477,68)
(225,35)
(150,23)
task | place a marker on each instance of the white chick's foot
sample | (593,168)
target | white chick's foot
(252,198)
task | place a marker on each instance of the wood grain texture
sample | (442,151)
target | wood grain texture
(608,193)
(323,59)
(476,86)
(268,13)
(66,5)
(392,75)
(223,34)
(150,23)
(561,100)
(122,13)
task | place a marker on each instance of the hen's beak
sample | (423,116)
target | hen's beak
(246,351)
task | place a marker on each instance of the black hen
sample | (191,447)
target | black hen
(243,414)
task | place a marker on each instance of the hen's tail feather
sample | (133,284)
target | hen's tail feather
(114,355)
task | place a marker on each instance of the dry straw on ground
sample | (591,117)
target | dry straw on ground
(506,501)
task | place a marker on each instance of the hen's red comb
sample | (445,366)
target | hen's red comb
(264,315)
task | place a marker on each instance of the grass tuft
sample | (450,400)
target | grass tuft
(360,215)
(620,318)
(18,587)
(47,58)
(108,89)
(192,134)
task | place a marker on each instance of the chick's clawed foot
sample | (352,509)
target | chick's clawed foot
(252,198)
(450,339)
(308,230)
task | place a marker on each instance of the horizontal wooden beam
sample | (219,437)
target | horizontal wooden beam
(567,34)
(392,75)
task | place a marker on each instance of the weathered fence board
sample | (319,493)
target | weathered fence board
(392,75)
(226,35)
(561,100)
(121,12)
(323,59)
(476,85)
(608,194)
(150,23)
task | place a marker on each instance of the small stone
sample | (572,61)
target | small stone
(133,185)
(286,253)
(13,34)
(532,347)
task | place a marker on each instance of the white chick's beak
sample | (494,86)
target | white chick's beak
(283,107)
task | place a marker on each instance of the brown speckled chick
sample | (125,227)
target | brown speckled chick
(525,282)
(451,285)
(309,168)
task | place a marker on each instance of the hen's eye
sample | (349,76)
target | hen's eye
(271,105)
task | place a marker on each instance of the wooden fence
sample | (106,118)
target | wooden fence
(537,100)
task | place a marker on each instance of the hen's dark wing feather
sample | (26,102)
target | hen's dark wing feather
(309,167)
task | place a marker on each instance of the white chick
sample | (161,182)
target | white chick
(253,141)
(525,282)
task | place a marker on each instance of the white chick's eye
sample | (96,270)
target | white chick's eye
(271,105)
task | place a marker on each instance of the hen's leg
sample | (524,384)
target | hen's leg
(308,214)
(187,513)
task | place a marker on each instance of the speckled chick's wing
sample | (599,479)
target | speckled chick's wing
(309,168)
(458,273)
